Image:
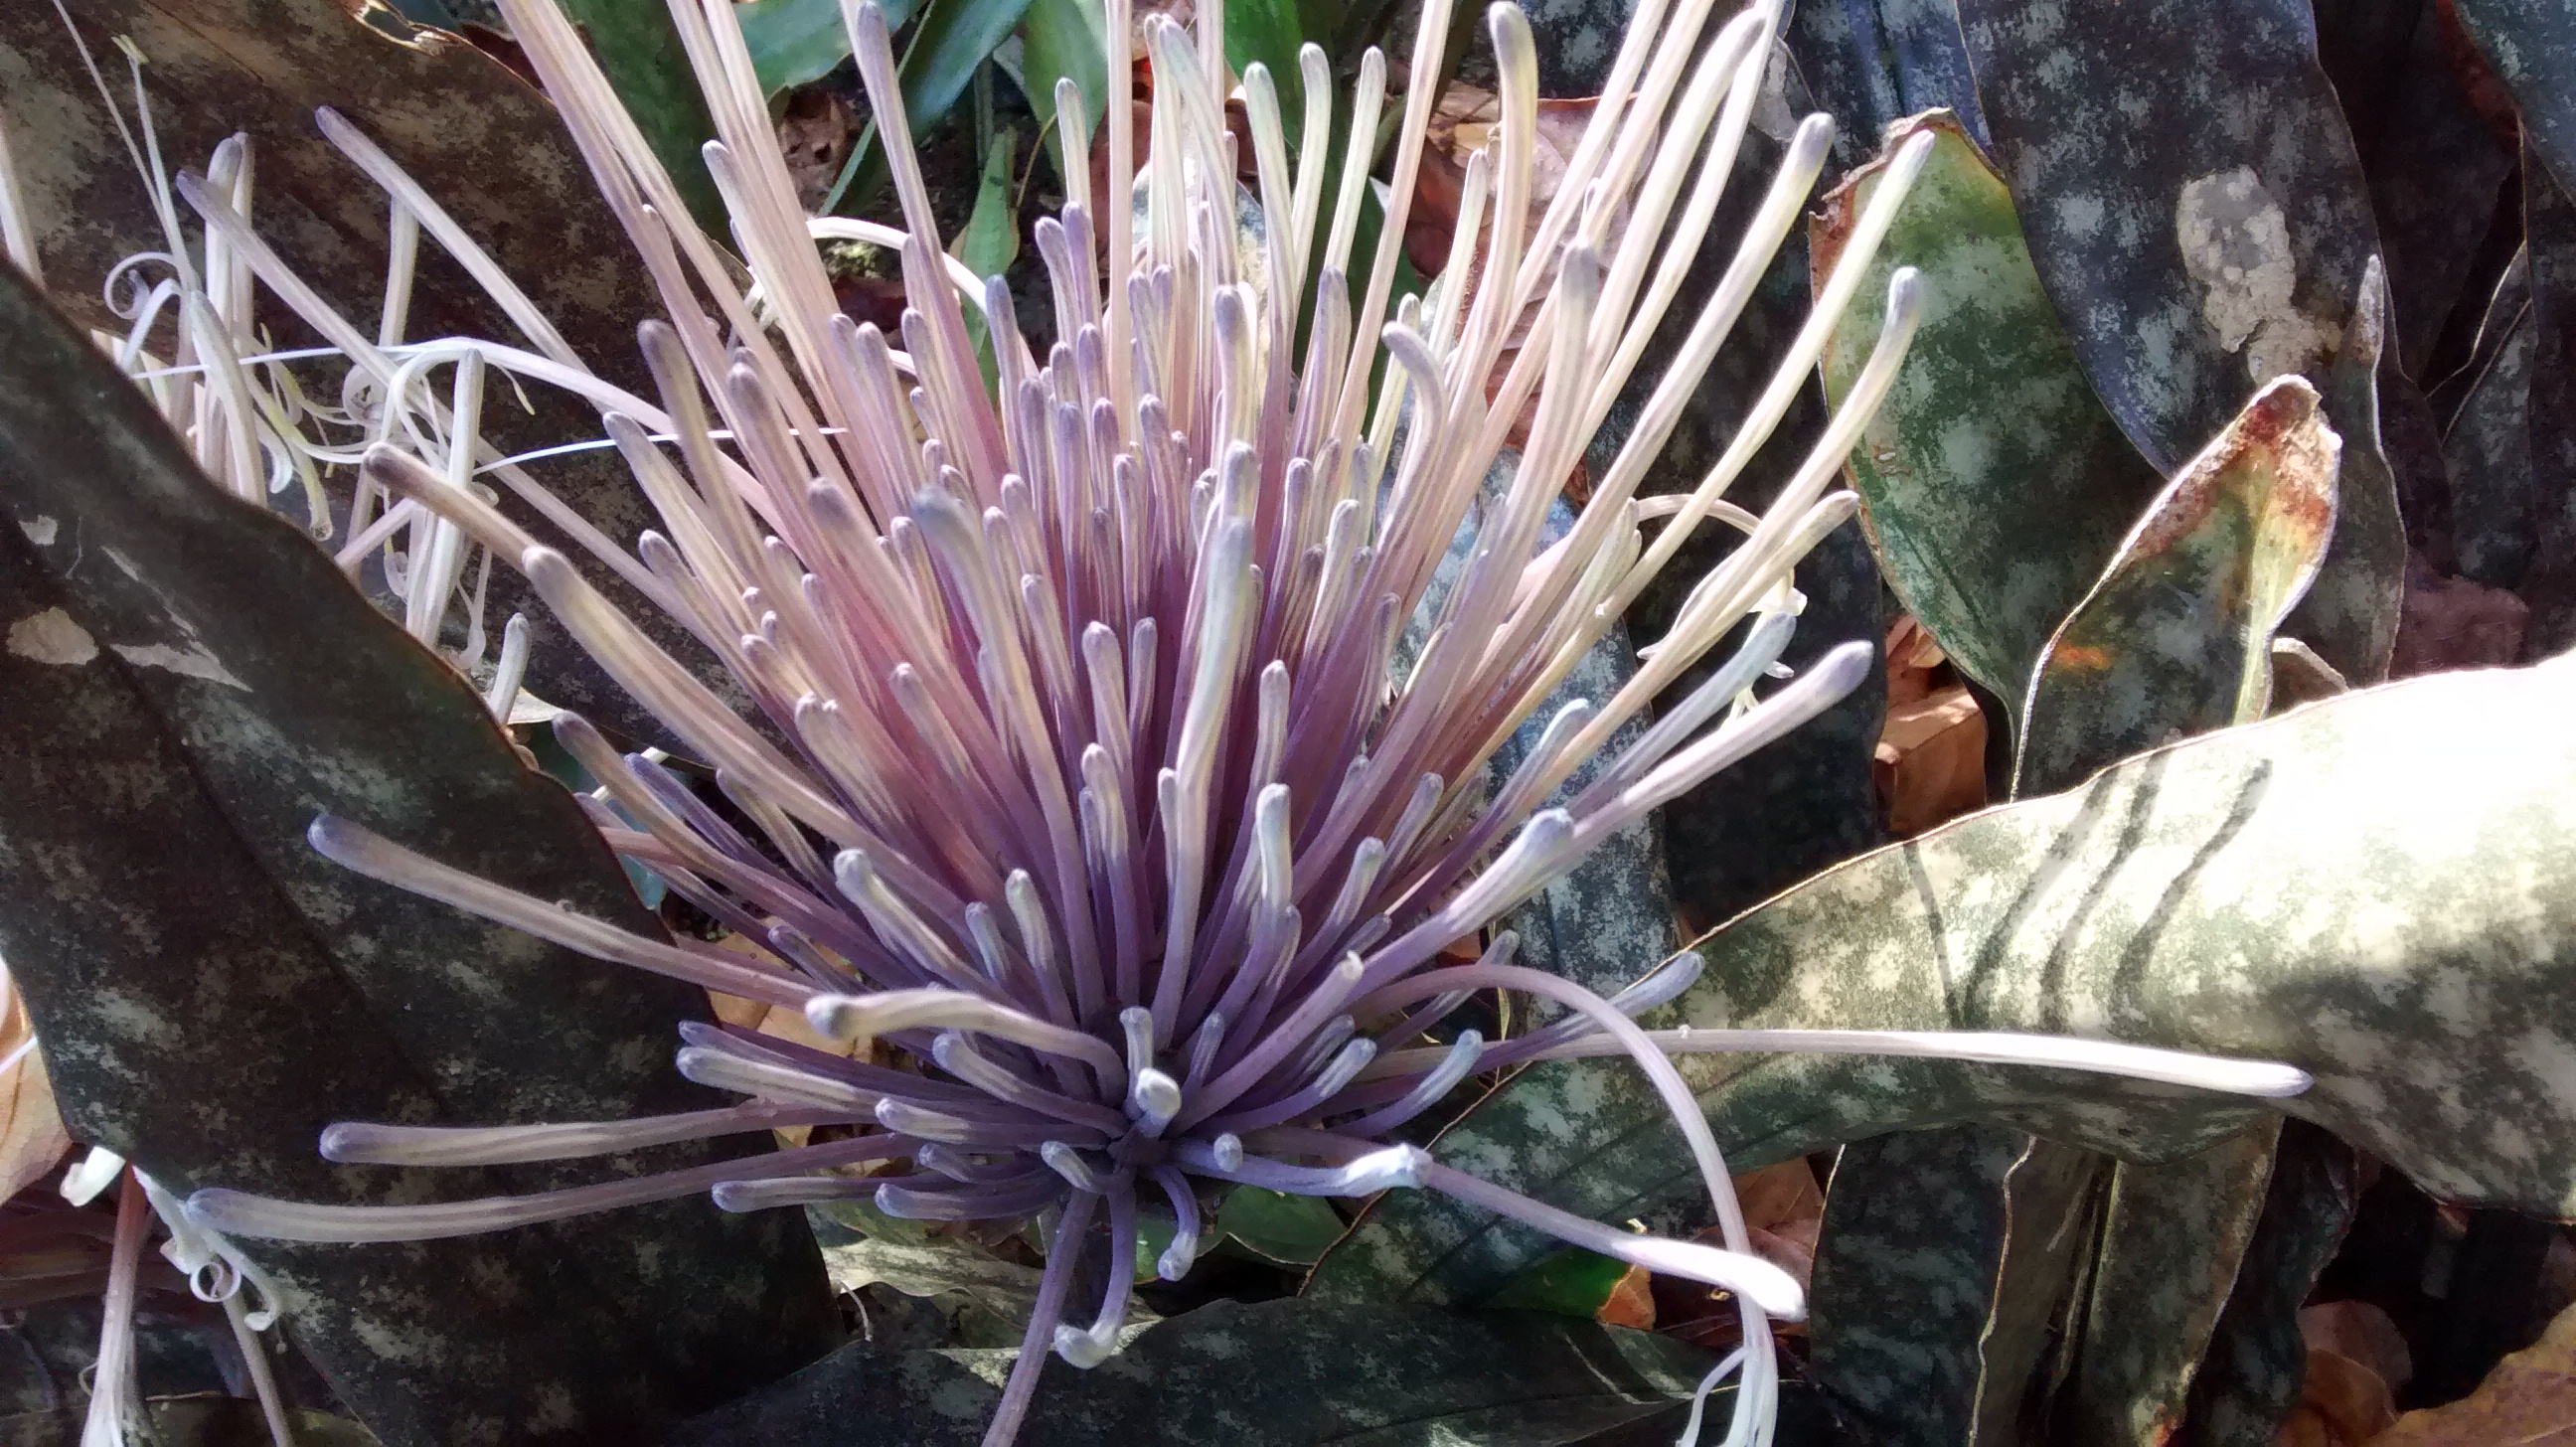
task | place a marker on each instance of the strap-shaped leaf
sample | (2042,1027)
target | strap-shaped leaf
(2528,42)
(1993,484)
(2176,637)
(2173,1237)
(190,682)
(2192,198)
(1276,1374)
(2349,614)
(1941,1257)
(2250,1378)
(2378,888)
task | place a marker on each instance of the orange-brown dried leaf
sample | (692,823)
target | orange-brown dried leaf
(1632,1301)
(1930,762)
(32,1138)
(2529,1400)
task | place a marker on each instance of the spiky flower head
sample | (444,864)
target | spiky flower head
(1085,781)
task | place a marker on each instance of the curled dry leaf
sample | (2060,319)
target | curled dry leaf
(32,1138)
(1930,763)
(2528,1400)
(2363,1333)
(2341,1404)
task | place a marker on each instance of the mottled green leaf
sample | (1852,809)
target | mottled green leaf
(2190,194)
(1289,1229)
(1873,63)
(1943,1257)
(2349,614)
(191,682)
(2176,638)
(1277,1374)
(2172,1238)
(1993,484)
(1907,1260)
(1065,40)
(480,140)
(2528,42)
(2250,1377)
(2488,448)
(2549,583)
(2378,889)
(2055,1201)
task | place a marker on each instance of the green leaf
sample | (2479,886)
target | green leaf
(2380,889)
(2173,1237)
(1994,486)
(952,39)
(1269,33)
(2528,44)
(2488,448)
(1571,1283)
(1066,40)
(793,42)
(2177,637)
(2191,257)
(1277,1374)
(2350,612)
(1938,1253)
(191,681)
(639,50)
(1276,1226)
(991,239)
(2257,1358)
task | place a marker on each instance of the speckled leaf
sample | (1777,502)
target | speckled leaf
(1994,486)
(1872,63)
(2549,584)
(1809,800)
(1911,1263)
(2172,1239)
(1950,1252)
(2436,168)
(1611,919)
(2056,1201)
(190,682)
(2322,888)
(2191,196)
(2488,451)
(2250,1377)
(2176,638)
(2349,614)
(935,1266)
(2528,42)
(482,141)
(1276,1374)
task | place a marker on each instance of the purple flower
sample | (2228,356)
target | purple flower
(1089,783)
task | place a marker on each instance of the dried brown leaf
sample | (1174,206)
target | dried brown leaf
(2529,1400)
